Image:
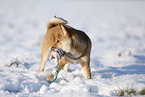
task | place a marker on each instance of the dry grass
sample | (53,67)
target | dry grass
(142,92)
(129,92)
(14,61)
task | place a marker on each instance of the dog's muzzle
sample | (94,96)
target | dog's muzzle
(56,55)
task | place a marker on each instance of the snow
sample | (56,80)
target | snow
(117,31)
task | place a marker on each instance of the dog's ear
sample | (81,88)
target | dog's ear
(63,29)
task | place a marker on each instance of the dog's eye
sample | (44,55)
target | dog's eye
(57,41)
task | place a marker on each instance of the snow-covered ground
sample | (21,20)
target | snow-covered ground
(117,31)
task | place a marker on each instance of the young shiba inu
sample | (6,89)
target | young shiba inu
(75,43)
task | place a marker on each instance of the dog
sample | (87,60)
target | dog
(75,43)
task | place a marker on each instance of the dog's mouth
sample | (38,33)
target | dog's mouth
(62,52)
(56,55)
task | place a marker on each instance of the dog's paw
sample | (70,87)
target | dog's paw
(50,78)
(41,69)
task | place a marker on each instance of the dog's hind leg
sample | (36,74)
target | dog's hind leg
(44,58)
(45,53)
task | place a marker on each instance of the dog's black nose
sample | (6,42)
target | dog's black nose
(51,49)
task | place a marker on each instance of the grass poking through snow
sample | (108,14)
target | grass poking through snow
(129,92)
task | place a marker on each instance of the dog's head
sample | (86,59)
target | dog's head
(62,40)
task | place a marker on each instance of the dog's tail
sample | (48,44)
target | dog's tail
(55,21)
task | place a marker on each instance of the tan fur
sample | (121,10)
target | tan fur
(75,43)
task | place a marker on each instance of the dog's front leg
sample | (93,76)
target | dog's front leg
(62,63)
(87,71)
(86,68)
